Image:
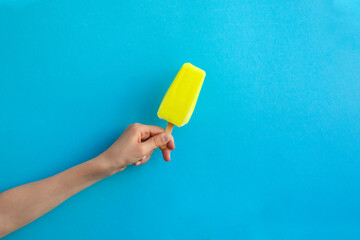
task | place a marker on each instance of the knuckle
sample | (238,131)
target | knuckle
(134,127)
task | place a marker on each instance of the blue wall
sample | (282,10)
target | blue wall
(272,150)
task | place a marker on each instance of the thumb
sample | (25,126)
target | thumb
(157,141)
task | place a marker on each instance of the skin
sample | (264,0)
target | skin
(23,204)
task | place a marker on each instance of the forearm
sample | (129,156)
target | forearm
(21,205)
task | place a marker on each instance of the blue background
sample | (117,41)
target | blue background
(272,150)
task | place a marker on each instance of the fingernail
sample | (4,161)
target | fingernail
(166,137)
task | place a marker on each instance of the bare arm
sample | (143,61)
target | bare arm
(22,205)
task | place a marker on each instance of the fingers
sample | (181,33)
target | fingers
(148,131)
(171,144)
(144,159)
(138,163)
(156,141)
(152,137)
(166,154)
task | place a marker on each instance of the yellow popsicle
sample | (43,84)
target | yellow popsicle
(180,99)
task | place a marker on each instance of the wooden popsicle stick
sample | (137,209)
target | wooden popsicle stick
(168,130)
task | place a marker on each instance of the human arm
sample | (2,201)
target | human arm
(23,204)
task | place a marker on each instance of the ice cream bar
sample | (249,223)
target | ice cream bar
(180,99)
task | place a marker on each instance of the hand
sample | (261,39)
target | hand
(136,145)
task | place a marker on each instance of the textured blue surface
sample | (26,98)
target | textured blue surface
(271,152)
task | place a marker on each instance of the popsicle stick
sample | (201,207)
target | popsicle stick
(168,130)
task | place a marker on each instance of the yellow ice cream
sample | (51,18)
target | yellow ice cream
(180,99)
